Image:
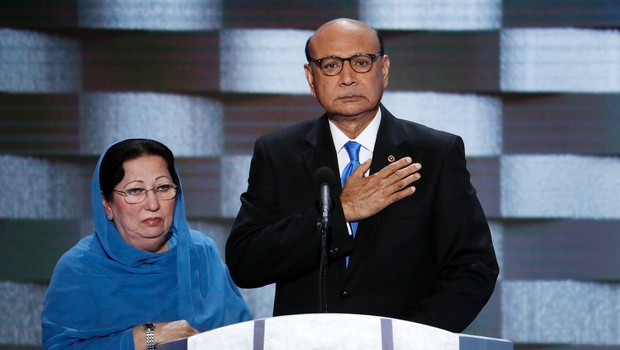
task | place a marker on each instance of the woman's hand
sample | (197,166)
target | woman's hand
(164,331)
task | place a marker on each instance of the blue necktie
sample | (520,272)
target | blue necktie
(353,149)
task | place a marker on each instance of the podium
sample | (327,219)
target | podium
(333,331)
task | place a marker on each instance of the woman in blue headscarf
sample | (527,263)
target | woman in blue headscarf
(143,277)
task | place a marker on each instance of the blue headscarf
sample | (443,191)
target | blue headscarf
(103,287)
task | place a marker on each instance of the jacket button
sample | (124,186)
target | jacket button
(334,251)
(345,295)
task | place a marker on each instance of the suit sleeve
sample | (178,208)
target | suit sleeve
(275,235)
(467,263)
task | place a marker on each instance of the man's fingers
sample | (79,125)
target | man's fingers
(404,176)
(404,193)
(362,168)
(390,169)
(403,184)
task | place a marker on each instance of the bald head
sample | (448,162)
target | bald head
(342,28)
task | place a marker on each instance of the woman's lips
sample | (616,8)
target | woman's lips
(152,221)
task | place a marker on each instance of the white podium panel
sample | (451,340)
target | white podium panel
(333,331)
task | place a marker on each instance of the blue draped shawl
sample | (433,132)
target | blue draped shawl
(103,287)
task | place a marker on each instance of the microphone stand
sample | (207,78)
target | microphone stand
(323,226)
(326,178)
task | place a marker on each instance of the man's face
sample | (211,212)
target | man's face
(347,93)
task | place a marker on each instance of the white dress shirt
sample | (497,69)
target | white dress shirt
(367,139)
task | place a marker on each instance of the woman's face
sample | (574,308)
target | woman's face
(143,225)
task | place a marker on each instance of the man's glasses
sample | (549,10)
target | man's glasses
(164,192)
(332,65)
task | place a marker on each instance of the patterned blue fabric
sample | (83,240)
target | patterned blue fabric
(103,287)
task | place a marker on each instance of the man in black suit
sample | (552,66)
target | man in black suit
(408,239)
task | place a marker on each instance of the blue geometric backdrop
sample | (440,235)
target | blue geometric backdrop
(533,86)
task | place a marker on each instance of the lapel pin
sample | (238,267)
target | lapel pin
(391,158)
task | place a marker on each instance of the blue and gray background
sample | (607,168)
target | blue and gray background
(532,86)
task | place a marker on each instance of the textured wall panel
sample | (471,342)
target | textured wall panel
(443,61)
(532,86)
(150,14)
(235,171)
(190,126)
(38,14)
(285,13)
(34,124)
(484,173)
(247,117)
(40,189)
(561,13)
(497,233)
(568,312)
(489,319)
(29,249)
(562,249)
(263,61)
(562,186)
(38,62)
(433,15)
(201,186)
(562,123)
(560,60)
(20,312)
(261,300)
(478,119)
(150,61)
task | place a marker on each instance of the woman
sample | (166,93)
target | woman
(143,277)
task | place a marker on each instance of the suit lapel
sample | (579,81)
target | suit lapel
(320,152)
(389,146)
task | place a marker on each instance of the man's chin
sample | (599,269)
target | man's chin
(350,111)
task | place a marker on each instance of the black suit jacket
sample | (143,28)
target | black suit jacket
(428,258)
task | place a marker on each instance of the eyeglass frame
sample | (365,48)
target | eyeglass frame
(173,186)
(373,57)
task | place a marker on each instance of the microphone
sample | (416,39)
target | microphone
(325,177)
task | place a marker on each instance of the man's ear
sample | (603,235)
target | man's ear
(385,69)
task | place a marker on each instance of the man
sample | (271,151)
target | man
(408,236)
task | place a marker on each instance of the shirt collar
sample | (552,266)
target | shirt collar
(367,138)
